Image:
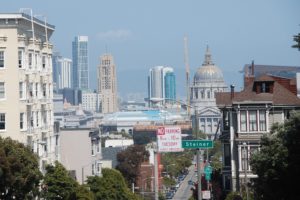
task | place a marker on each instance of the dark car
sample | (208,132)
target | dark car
(169,195)
(190,182)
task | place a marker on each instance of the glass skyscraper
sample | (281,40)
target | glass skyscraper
(170,86)
(80,63)
(161,85)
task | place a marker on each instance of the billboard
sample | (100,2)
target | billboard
(169,139)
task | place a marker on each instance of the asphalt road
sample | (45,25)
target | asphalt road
(184,192)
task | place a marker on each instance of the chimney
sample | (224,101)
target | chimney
(252,68)
(232,91)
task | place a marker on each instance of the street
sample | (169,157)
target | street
(184,192)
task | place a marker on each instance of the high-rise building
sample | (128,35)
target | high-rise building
(64,73)
(161,85)
(26,88)
(107,84)
(170,86)
(55,57)
(80,62)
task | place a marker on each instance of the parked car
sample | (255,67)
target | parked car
(190,182)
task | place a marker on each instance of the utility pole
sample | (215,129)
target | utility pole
(187,74)
(155,174)
(198,157)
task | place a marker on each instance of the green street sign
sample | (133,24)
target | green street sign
(197,144)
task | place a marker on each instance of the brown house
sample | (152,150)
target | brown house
(246,117)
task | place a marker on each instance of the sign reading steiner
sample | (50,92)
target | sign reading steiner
(169,139)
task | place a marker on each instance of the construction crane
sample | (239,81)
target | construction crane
(187,73)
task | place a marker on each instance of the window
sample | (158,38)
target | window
(1,59)
(98,146)
(262,120)
(30,59)
(202,94)
(253,120)
(44,90)
(209,125)
(227,155)
(37,119)
(30,89)
(36,89)
(31,120)
(2,121)
(243,119)
(21,121)
(208,94)
(93,169)
(2,90)
(20,59)
(244,157)
(21,90)
(93,146)
(202,125)
(44,61)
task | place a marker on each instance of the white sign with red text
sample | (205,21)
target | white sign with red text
(169,139)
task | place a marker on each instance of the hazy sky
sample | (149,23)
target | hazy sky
(141,34)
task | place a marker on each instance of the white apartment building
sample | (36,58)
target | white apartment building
(26,108)
(107,84)
(91,101)
(64,73)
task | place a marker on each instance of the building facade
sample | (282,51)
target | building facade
(91,101)
(246,117)
(107,84)
(80,62)
(26,87)
(64,73)
(161,86)
(208,80)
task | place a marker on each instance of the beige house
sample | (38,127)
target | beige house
(26,110)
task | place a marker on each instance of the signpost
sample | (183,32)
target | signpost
(197,144)
(169,139)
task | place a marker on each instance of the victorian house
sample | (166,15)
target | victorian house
(247,116)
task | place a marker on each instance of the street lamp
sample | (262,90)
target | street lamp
(245,168)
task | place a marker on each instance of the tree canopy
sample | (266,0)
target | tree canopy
(58,184)
(297,40)
(130,160)
(19,171)
(278,162)
(110,186)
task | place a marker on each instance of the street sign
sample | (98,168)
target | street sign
(205,194)
(207,171)
(169,139)
(197,144)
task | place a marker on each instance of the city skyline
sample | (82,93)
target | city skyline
(145,34)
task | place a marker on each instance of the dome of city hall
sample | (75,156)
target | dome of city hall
(208,72)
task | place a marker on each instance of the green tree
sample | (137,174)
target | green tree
(278,162)
(110,186)
(19,171)
(297,40)
(58,184)
(130,160)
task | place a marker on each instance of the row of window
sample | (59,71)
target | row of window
(208,125)
(34,90)
(34,120)
(204,95)
(253,120)
(32,60)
